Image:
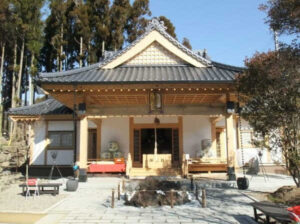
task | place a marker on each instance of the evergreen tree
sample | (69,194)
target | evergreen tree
(136,21)
(99,20)
(53,50)
(119,13)
(80,32)
(169,25)
(186,42)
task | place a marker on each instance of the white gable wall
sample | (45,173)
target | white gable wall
(155,54)
(147,41)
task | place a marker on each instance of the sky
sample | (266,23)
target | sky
(230,30)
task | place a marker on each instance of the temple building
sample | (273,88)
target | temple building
(153,108)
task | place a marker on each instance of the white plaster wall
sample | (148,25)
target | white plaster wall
(150,119)
(60,126)
(39,143)
(64,157)
(115,129)
(195,129)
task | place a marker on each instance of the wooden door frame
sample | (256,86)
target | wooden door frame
(92,130)
(133,126)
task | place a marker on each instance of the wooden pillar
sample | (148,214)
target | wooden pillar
(213,135)
(180,125)
(83,149)
(98,122)
(230,147)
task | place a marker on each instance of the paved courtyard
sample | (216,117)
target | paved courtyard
(91,204)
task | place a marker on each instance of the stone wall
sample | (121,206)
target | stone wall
(12,157)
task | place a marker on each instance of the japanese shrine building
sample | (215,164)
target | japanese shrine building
(162,103)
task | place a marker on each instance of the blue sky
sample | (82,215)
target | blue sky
(230,30)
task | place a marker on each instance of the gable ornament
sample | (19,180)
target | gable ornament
(156,24)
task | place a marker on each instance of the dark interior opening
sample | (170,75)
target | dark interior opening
(164,140)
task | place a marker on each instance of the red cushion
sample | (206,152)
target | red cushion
(31,181)
(294,213)
(107,168)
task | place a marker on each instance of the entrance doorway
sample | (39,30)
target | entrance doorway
(163,138)
(144,144)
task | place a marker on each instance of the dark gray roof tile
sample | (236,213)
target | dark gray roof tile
(47,107)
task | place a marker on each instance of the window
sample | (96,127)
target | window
(61,139)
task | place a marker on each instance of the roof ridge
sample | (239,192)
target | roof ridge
(230,67)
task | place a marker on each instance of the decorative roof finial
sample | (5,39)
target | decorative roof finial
(156,24)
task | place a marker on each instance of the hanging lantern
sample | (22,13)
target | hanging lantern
(155,102)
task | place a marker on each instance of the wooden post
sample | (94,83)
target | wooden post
(229,123)
(197,192)
(123,185)
(113,198)
(83,143)
(172,198)
(192,183)
(119,192)
(203,198)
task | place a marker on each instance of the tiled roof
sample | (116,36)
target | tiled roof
(145,74)
(94,74)
(47,107)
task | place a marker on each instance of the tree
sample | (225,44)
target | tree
(283,15)
(119,13)
(99,20)
(136,21)
(4,18)
(79,33)
(186,42)
(170,27)
(270,89)
(52,52)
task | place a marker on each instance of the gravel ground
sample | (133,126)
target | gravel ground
(11,200)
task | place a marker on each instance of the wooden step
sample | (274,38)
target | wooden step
(144,172)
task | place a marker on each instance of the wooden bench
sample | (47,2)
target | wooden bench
(270,210)
(43,188)
(207,167)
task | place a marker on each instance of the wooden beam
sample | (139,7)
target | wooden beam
(212,110)
(217,87)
